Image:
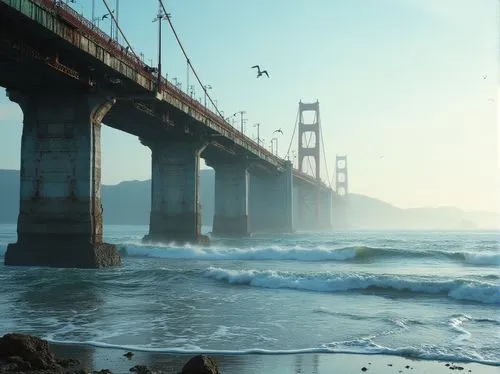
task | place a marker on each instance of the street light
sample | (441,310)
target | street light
(241,112)
(275,139)
(160,16)
(258,135)
(205,89)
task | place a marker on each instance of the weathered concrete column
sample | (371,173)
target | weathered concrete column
(231,199)
(326,209)
(60,217)
(313,207)
(271,201)
(175,197)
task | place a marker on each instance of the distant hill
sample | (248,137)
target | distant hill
(367,212)
(129,203)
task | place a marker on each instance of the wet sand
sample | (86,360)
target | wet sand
(93,358)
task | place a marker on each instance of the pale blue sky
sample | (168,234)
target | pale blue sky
(402,79)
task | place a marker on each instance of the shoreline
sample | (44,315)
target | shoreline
(97,358)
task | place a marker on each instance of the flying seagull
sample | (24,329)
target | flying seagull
(106,15)
(485,76)
(260,72)
(279,130)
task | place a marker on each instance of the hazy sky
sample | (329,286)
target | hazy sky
(400,85)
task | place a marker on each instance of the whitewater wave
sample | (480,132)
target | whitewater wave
(459,289)
(359,346)
(300,253)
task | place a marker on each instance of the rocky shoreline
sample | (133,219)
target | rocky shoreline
(20,353)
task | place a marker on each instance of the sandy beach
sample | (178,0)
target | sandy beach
(93,358)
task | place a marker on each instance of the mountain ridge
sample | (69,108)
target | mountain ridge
(362,211)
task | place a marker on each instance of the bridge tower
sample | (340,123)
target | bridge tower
(342,192)
(307,133)
(341,182)
(313,210)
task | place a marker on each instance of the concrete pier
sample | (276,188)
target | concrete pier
(231,199)
(175,197)
(313,207)
(60,217)
(325,217)
(271,201)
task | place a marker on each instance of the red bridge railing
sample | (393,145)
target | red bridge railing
(86,27)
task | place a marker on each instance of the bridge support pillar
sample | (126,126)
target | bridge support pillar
(271,201)
(231,199)
(60,216)
(313,207)
(325,219)
(175,202)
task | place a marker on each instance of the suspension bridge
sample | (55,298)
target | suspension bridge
(70,77)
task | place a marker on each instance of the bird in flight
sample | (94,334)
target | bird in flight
(106,15)
(260,72)
(279,130)
(485,76)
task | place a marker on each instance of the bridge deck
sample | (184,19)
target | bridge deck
(86,39)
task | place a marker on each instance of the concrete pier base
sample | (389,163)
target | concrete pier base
(60,215)
(63,253)
(313,207)
(175,203)
(231,199)
(271,201)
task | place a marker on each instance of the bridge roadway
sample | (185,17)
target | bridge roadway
(68,77)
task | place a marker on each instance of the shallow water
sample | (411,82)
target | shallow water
(432,295)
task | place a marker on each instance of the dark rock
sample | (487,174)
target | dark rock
(24,349)
(103,371)
(389,364)
(140,369)
(447,365)
(128,355)
(201,364)
(407,366)
(18,361)
(67,362)
(364,369)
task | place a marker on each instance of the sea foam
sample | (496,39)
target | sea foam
(460,289)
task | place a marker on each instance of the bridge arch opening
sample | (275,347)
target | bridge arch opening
(309,140)
(125,181)
(11,124)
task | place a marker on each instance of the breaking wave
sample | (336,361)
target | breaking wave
(304,253)
(458,289)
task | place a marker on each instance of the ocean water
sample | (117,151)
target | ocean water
(431,295)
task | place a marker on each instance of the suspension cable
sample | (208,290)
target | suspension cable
(293,135)
(324,155)
(187,58)
(119,28)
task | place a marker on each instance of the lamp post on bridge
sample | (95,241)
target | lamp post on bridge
(258,135)
(276,140)
(205,89)
(160,16)
(241,112)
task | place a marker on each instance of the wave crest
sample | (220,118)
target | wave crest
(482,292)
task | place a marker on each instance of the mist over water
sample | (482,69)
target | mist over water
(431,295)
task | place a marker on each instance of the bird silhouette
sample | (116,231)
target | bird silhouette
(279,130)
(260,72)
(105,16)
(485,76)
